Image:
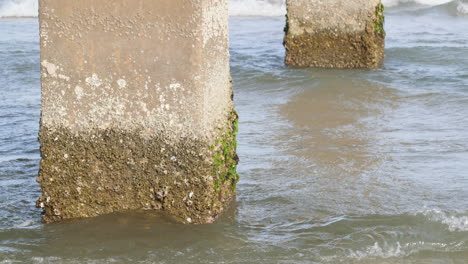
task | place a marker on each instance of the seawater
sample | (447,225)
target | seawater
(355,166)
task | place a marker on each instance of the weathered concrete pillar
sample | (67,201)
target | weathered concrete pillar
(334,33)
(137,109)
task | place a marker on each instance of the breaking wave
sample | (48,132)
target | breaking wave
(264,8)
(391,247)
(462,8)
(454,223)
(29,8)
(18,8)
(278,7)
(257,8)
(394,3)
(452,7)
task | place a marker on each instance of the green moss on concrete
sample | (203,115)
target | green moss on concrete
(379,19)
(225,157)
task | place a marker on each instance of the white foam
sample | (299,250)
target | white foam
(454,223)
(462,8)
(18,8)
(376,250)
(265,8)
(29,8)
(394,250)
(393,3)
(45,259)
(27,223)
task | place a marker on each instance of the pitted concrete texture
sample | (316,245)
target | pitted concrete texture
(334,33)
(136,106)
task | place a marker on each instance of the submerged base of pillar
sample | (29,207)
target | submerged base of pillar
(106,171)
(137,109)
(330,50)
(334,34)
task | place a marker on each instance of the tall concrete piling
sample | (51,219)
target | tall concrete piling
(137,109)
(334,33)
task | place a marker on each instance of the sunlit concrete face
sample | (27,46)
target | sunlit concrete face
(136,107)
(334,33)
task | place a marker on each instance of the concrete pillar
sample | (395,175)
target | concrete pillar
(334,33)
(137,110)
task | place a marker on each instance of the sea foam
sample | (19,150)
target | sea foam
(459,6)
(455,223)
(263,8)
(266,8)
(18,8)
(462,8)
(393,3)
(278,7)
(29,8)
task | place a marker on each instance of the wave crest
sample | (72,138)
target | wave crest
(18,8)
(394,3)
(453,7)
(453,222)
(462,8)
(265,8)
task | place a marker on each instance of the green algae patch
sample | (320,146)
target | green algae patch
(225,157)
(379,19)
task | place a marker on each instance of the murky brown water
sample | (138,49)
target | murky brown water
(360,166)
